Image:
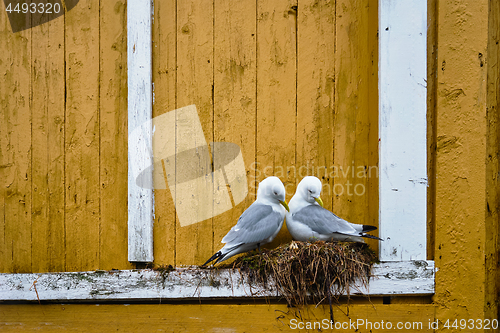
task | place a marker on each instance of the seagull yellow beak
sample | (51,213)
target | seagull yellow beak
(285,205)
(318,200)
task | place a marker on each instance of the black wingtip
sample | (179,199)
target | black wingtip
(220,258)
(217,256)
(367,228)
(372,237)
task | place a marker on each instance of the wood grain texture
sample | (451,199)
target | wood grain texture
(372,170)
(355,126)
(165,88)
(403,130)
(235,95)
(207,317)
(492,221)
(263,75)
(461,110)
(15,96)
(191,283)
(276,93)
(316,94)
(113,135)
(140,131)
(432,68)
(5,265)
(195,81)
(48,205)
(82,137)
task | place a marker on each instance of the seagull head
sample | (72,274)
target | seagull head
(309,189)
(272,189)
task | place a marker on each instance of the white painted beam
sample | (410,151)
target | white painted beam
(402,129)
(140,198)
(388,278)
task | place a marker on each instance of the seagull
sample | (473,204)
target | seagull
(307,220)
(259,223)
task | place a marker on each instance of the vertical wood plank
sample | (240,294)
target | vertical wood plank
(235,94)
(15,98)
(48,73)
(140,196)
(195,86)
(316,93)
(355,165)
(403,130)
(5,262)
(113,135)
(276,94)
(82,137)
(461,178)
(492,221)
(371,172)
(164,79)
(432,71)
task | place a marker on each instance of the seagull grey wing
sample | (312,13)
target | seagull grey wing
(322,220)
(257,223)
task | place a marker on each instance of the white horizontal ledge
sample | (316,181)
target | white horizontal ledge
(388,278)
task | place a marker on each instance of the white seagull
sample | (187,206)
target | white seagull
(307,220)
(259,223)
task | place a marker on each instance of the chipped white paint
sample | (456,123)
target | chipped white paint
(402,129)
(140,199)
(388,278)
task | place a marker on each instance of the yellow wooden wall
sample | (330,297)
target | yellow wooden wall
(262,76)
(63,142)
(464,111)
(294,85)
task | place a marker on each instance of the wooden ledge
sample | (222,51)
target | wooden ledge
(388,278)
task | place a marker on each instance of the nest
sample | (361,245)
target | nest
(309,272)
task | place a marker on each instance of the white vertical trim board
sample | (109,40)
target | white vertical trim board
(140,198)
(402,129)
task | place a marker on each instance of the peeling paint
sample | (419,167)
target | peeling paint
(184,283)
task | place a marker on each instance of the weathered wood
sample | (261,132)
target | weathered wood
(492,221)
(235,102)
(5,265)
(82,137)
(140,196)
(388,278)
(316,94)
(214,317)
(432,68)
(195,86)
(355,142)
(372,168)
(47,109)
(164,100)
(276,93)
(403,130)
(113,134)
(15,98)
(461,177)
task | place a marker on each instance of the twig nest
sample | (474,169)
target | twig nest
(314,272)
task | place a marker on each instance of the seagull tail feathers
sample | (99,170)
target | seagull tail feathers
(217,256)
